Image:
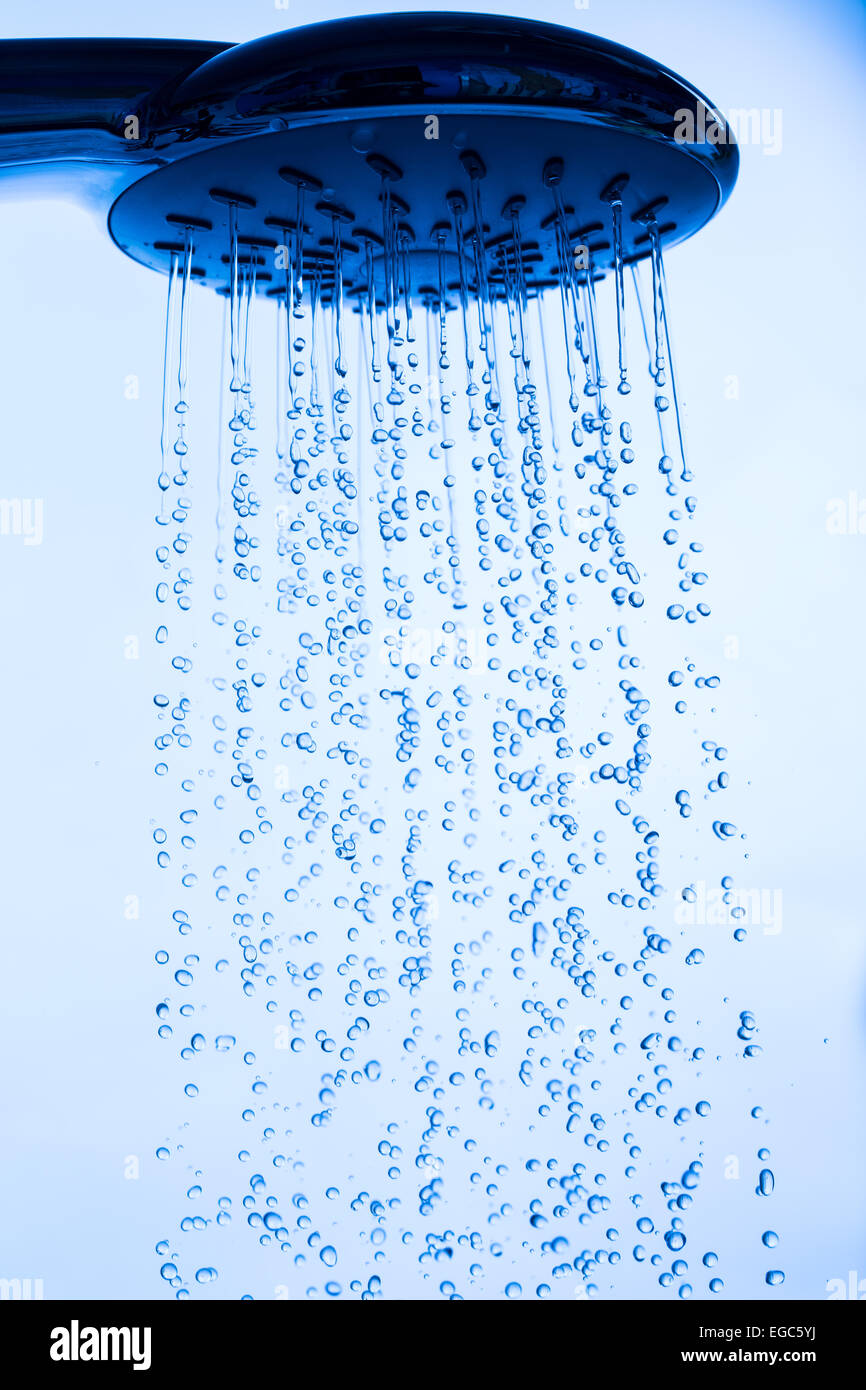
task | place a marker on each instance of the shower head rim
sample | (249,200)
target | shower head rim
(311,74)
(251,166)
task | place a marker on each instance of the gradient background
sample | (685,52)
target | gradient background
(769,293)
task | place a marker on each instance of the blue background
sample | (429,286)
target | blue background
(770,293)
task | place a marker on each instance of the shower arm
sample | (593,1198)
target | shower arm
(64,108)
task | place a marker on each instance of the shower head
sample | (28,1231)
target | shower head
(350,133)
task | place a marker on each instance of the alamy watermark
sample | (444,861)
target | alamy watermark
(706,906)
(467,649)
(77,1343)
(751,125)
(846,516)
(23,517)
(21,1290)
(853,1287)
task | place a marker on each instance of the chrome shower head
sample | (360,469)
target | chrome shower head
(353,131)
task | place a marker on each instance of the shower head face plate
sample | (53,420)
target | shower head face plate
(402,101)
(342,161)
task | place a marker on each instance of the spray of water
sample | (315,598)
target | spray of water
(437,792)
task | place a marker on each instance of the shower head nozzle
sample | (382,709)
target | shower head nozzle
(442,118)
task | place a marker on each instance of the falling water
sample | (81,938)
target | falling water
(437,795)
